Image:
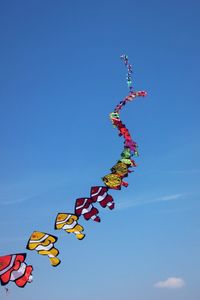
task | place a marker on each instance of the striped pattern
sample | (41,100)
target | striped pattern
(43,243)
(13,268)
(83,206)
(68,222)
(99,194)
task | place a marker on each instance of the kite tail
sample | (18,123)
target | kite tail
(79,235)
(123,130)
(114,116)
(121,169)
(54,261)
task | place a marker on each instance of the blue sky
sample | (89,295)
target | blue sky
(61,76)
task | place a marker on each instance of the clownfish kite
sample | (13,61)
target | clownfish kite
(43,243)
(14,268)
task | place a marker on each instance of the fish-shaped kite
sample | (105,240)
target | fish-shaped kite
(100,194)
(69,223)
(114,181)
(83,206)
(43,243)
(14,268)
(120,169)
(126,158)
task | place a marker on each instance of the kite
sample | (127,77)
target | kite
(120,169)
(14,268)
(83,206)
(126,158)
(69,223)
(114,181)
(43,243)
(99,194)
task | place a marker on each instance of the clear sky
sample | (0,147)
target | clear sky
(60,77)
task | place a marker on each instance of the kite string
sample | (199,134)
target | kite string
(124,57)
(132,95)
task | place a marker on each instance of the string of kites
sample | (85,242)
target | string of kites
(13,267)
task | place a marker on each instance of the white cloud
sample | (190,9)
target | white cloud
(170,283)
(170,197)
(16,201)
(127,204)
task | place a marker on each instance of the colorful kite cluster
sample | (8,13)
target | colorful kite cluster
(13,267)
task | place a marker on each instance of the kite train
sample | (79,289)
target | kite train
(13,267)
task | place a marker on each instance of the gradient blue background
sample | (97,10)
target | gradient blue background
(60,77)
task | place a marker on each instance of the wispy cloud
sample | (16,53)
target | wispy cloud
(29,188)
(183,172)
(170,283)
(173,172)
(169,197)
(16,201)
(128,204)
